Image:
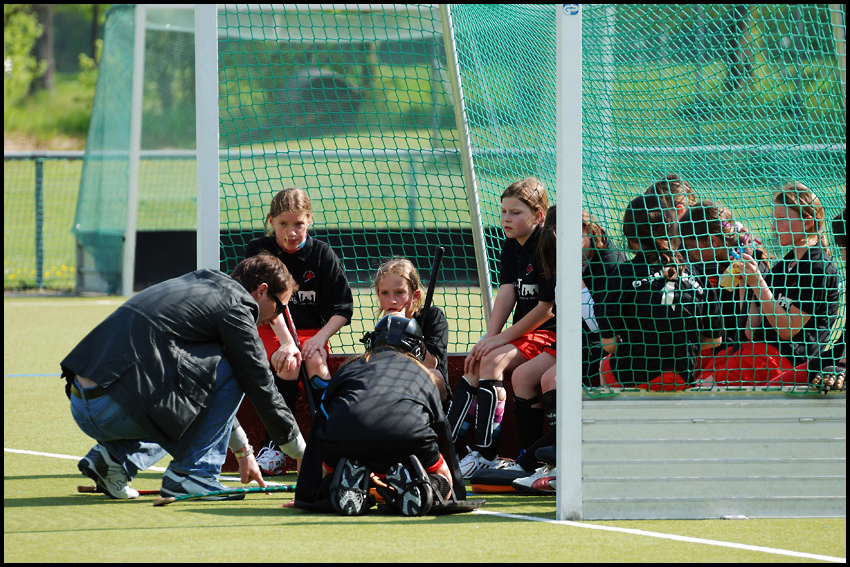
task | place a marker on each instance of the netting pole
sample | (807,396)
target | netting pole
(129,260)
(206,135)
(39,223)
(466,161)
(839,36)
(568,174)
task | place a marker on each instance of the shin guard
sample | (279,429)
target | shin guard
(488,399)
(462,398)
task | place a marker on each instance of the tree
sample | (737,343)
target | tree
(20,32)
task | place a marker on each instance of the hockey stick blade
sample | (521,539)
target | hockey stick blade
(251,490)
(84,489)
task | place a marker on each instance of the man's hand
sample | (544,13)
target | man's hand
(249,470)
(286,360)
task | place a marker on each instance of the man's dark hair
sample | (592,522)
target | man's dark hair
(264,268)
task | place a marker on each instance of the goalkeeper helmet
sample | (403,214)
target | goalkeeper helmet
(398,333)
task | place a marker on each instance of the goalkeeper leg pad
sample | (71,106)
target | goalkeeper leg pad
(349,490)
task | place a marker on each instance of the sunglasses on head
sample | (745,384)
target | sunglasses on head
(280,307)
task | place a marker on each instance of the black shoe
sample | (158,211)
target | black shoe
(350,488)
(412,493)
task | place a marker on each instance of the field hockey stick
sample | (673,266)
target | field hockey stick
(308,391)
(250,490)
(432,283)
(82,489)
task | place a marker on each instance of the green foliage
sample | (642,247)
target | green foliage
(45,115)
(88,68)
(20,32)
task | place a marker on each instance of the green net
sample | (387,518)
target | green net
(737,100)
(166,181)
(354,107)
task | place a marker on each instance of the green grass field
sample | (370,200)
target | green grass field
(45,520)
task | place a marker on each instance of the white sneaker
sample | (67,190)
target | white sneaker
(474,462)
(524,484)
(107,474)
(271,460)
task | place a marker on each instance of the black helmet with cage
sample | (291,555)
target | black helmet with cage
(398,333)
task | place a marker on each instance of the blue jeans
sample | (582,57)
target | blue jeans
(205,440)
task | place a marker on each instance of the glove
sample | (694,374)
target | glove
(830,378)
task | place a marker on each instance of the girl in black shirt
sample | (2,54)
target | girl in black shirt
(399,290)
(793,306)
(713,239)
(655,316)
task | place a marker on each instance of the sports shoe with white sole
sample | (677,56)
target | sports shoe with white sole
(108,475)
(545,484)
(474,462)
(176,484)
(271,460)
(525,484)
(350,488)
(413,492)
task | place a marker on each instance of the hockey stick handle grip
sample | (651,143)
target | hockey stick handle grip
(435,272)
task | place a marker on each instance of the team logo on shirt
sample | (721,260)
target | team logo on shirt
(308,275)
(526,291)
(305,297)
(529,269)
(783,301)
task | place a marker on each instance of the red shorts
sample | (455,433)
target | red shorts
(797,376)
(754,364)
(533,343)
(666,382)
(271,342)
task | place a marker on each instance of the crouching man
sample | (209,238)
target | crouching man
(166,372)
(381,425)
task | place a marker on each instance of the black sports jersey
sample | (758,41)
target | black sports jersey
(323,289)
(383,402)
(660,322)
(388,397)
(435,329)
(810,285)
(521,268)
(733,308)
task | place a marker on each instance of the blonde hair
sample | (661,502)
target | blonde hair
(366,357)
(289,200)
(797,197)
(403,268)
(530,191)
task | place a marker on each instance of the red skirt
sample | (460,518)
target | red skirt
(271,342)
(754,364)
(665,382)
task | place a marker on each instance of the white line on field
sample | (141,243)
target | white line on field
(673,537)
(52,304)
(155,469)
(644,533)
